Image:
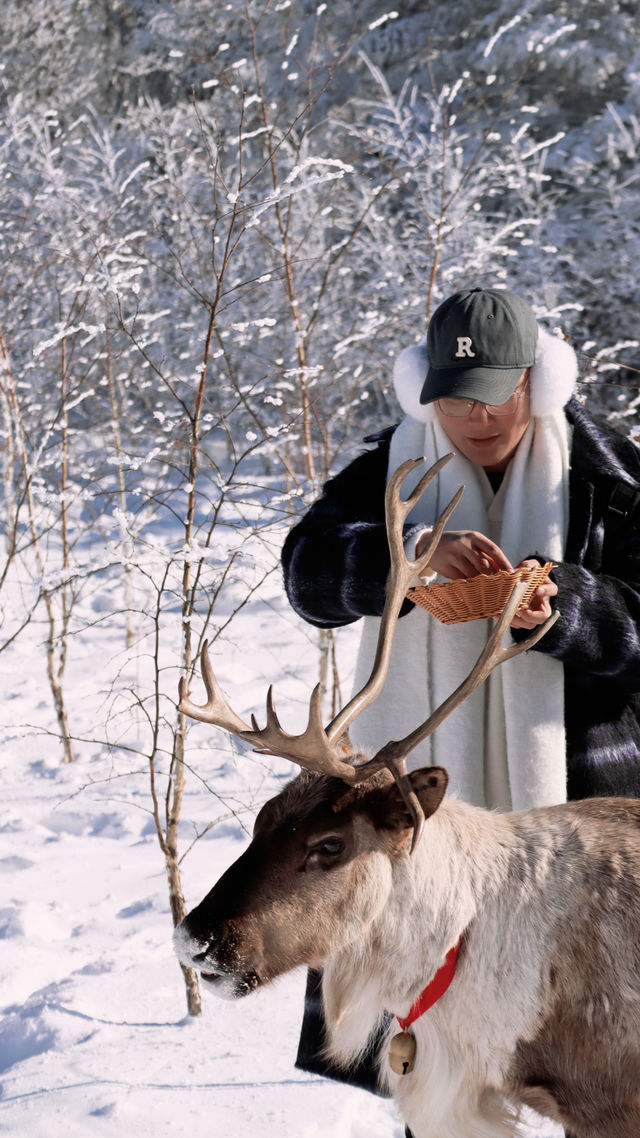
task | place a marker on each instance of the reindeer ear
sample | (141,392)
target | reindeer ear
(430,785)
(390,811)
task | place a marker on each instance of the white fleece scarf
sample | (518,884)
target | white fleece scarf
(505,746)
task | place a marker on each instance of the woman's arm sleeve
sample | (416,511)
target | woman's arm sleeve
(336,559)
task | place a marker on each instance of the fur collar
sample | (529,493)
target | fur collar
(553,378)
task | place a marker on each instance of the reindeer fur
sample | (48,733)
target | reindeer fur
(544,1009)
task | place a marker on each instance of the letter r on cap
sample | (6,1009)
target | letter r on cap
(464,347)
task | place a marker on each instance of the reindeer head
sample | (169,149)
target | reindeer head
(323,847)
(319,869)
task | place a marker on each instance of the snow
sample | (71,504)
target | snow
(94,1040)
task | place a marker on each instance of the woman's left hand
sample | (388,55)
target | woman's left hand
(539,608)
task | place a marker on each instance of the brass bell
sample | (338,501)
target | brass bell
(402,1053)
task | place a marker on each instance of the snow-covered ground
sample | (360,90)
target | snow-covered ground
(94,1040)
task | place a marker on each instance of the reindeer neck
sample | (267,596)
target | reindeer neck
(460,862)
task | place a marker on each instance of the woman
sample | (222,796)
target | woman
(543,481)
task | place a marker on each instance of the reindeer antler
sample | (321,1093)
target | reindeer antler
(325,750)
(312,749)
(316,749)
(401,574)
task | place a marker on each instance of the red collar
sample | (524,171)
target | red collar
(434,989)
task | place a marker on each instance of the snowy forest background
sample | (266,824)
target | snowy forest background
(219,224)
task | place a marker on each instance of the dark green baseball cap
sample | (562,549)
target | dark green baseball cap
(479,342)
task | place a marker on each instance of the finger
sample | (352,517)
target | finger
(548,588)
(463,567)
(493,553)
(536,613)
(481,562)
(542,596)
(476,562)
(492,563)
(528,619)
(454,559)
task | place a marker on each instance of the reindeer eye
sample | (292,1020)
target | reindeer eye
(330,847)
(323,854)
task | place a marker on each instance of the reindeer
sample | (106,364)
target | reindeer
(524,928)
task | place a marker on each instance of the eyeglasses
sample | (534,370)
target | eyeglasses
(455,408)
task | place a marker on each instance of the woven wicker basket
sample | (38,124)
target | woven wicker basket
(476,598)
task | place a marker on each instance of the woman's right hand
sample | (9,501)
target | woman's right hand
(464,553)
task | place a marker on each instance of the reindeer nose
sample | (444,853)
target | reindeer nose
(191,950)
(200,957)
